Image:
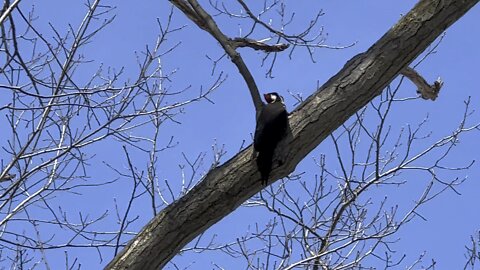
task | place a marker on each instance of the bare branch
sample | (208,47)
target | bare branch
(258,45)
(425,90)
(8,10)
(199,16)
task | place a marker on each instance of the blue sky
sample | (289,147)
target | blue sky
(450,218)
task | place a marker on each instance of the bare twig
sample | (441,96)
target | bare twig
(8,10)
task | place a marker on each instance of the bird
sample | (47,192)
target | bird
(271,127)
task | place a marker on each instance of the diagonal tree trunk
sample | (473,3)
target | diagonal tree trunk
(226,187)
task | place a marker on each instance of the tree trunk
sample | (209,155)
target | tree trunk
(226,187)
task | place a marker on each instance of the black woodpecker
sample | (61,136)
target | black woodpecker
(271,127)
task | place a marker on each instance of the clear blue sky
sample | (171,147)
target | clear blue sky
(450,218)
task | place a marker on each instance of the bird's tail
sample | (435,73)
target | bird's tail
(264,164)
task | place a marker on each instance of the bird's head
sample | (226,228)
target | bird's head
(273,97)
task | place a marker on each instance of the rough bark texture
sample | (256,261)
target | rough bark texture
(228,186)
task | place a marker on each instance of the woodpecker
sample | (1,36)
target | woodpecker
(271,127)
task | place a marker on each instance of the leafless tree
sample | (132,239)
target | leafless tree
(51,118)
(54,117)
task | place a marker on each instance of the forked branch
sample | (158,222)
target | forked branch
(202,19)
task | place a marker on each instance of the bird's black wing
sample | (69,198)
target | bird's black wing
(271,126)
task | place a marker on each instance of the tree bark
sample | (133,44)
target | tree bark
(226,187)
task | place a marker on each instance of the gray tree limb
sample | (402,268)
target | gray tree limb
(425,90)
(202,19)
(226,187)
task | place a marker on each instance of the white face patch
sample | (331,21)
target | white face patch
(273,98)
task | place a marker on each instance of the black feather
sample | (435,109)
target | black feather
(264,164)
